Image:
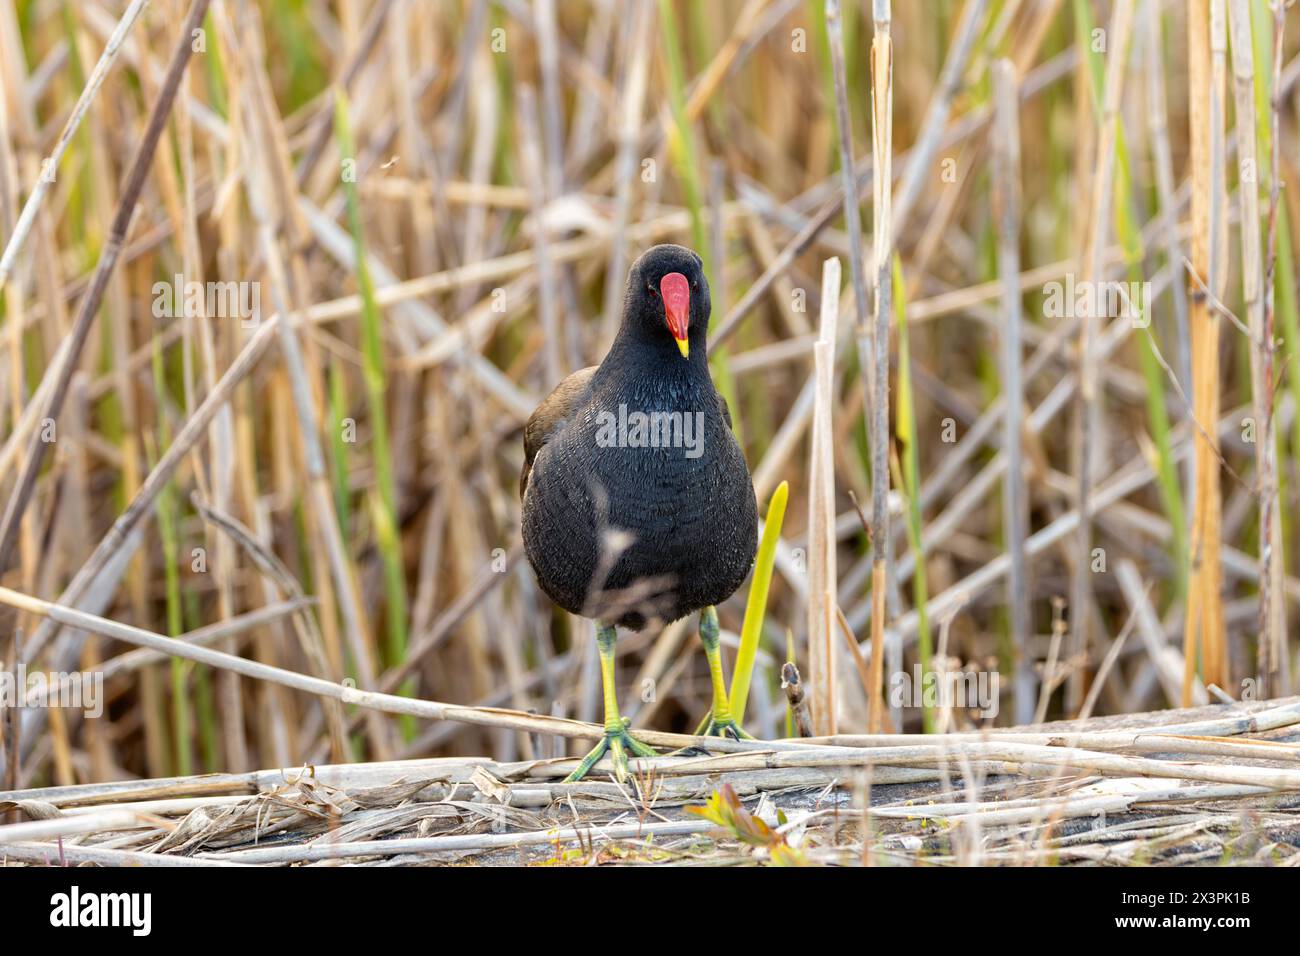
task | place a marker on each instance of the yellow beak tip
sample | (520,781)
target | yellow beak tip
(684,346)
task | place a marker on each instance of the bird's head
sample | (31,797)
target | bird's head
(668,297)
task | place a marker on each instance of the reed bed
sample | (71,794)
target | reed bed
(1217,787)
(1005,309)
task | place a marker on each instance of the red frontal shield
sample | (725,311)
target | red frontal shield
(676,292)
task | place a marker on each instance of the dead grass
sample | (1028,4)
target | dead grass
(433,205)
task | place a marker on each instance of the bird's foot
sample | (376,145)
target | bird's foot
(618,743)
(715,725)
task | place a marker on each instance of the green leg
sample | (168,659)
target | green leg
(719,722)
(617,741)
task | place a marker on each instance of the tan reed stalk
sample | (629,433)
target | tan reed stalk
(1203,621)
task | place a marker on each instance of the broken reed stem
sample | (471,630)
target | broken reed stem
(1203,621)
(90,302)
(882,124)
(1271,603)
(1015,506)
(797,720)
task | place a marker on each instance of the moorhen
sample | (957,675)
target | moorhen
(637,502)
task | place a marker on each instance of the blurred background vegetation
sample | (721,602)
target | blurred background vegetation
(447,195)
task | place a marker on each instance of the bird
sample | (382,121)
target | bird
(637,502)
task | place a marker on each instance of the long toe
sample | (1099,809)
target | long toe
(618,746)
(638,748)
(588,761)
(618,755)
(724,728)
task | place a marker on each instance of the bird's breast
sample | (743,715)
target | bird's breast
(644,485)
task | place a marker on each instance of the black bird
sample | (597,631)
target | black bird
(637,503)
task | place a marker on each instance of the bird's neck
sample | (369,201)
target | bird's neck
(638,362)
(640,342)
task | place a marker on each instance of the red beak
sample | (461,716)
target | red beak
(676,292)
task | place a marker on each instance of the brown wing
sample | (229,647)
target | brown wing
(552,415)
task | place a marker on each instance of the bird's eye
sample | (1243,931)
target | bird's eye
(652,290)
